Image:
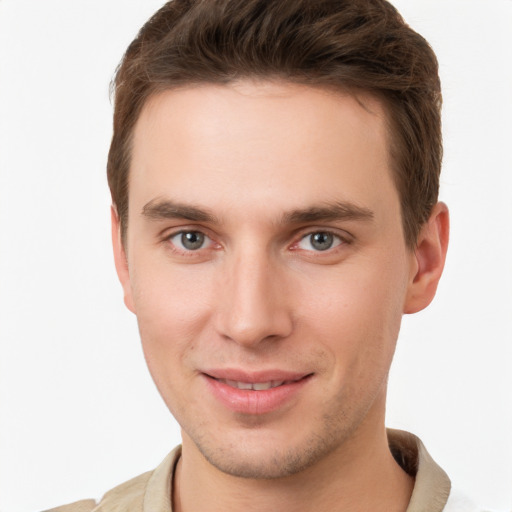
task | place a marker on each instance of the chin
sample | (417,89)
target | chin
(272,464)
(263,455)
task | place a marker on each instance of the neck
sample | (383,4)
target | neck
(361,474)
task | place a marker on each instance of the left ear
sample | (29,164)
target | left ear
(429,258)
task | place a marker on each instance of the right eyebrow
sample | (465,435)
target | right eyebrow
(164,209)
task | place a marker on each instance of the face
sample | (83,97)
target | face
(266,264)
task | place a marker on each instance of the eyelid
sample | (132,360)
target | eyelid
(170,231)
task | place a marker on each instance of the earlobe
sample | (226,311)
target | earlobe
(429,258)
(120,260)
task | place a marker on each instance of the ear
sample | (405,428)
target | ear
(121,261)
(428,260)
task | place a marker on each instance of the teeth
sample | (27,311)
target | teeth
(239,385)
(260,386)
(255,386)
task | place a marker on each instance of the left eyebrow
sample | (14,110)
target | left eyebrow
(328,212)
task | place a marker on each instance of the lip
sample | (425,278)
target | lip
(254,402)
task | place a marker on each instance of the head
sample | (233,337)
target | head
(274,172)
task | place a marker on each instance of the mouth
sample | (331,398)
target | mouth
(255,386)
(255,393)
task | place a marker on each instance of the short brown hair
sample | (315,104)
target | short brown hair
(351,45)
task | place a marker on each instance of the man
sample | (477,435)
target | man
(274,171)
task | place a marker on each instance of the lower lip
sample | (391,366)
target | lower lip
(248,401)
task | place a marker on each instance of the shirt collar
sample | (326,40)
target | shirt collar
(432,485)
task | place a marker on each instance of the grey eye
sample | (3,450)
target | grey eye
(192,240)
(322,241)
(319,241)
(189,240)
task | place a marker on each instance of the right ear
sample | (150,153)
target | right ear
(120,260)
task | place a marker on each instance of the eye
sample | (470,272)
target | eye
(319,241)
(190,240)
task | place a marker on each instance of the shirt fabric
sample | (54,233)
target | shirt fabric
(152,491)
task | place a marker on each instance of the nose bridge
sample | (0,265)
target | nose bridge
(254,307)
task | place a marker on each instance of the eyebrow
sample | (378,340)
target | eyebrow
(328,212)
(164,209)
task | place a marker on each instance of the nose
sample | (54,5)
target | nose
(253,302)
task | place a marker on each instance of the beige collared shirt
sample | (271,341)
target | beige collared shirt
(151,491)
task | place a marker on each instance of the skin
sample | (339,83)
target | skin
(246,166)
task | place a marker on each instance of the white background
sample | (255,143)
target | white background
(78,411)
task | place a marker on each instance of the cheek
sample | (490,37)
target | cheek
(173,308)
(356,313)
(170,297)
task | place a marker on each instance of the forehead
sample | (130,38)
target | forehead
(272,143)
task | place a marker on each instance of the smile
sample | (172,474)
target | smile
(258,393)
(254,386)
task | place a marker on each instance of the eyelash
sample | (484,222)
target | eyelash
(338,240)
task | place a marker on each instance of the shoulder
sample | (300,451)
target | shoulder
(143,492)
(127,496)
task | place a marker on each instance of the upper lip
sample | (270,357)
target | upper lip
(240,375)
